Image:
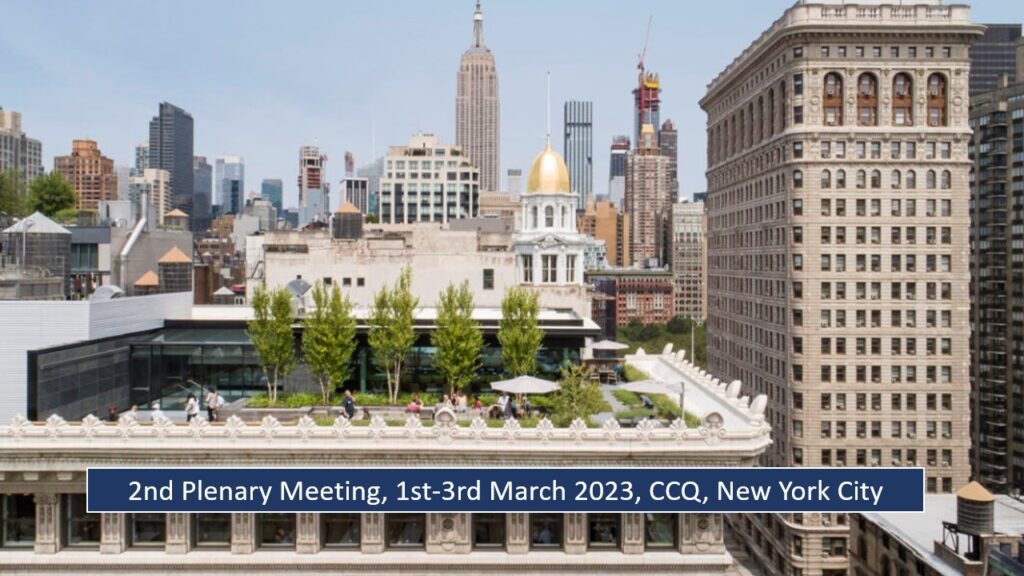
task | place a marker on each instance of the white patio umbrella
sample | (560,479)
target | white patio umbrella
(525,385)
(608,345)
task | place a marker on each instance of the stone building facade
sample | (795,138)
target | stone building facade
(838,249)
(688,259)
(89,172)
(42,475)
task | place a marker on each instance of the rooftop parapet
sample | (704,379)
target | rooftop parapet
(703,394)
(129,439)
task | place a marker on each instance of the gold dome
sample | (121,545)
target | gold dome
(548,173)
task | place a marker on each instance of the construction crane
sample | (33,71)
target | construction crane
(643,51)
(643,84)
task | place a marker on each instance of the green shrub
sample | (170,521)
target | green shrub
(631,413)
(300,400)
(259,401)
(633,374)
(626,397)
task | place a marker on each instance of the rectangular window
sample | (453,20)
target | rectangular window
(527,262)
(549,268)
(17,520)
(603,530)
(488,530)
(570,268)
(660,530)
(340,530)
(78,527)
(488,278)
(798,84)
(546,531)
(147,529)
(276,530)
(405,530)
(211,530)
(798,114)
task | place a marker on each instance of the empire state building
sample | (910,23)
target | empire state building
(477,116)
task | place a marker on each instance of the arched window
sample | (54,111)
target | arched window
(937,100)
(862,178)
(826,179)
(876,179)
(947,180)
(930,180)
(840,179)
(867,100)
(549,217)
(798,179)
(896,180)
(902,100)
(833,100)
(911,179)
(533,217)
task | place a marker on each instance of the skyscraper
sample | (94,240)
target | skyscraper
(617,170)
(314,191)
(202,176)
(838,281)
(579,149)
(477,114)
(648,201)
(89,172)
(688,256)
(668,141)
(17,150)
(230,175)
(273,189)
(996,341)
(994,56)
(171,149)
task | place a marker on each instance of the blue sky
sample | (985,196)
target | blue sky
(263,78)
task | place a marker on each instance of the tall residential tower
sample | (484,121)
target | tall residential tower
(579,149)
(170,149)
(477,114)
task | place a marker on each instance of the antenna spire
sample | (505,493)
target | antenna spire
(478,27)
(548,106)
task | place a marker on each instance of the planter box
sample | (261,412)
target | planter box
(283,415)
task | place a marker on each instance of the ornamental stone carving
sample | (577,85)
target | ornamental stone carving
(448,533)
(701,534)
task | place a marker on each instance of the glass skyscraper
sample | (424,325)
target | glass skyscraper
(579,149)
(231,184)
(171,149)
(272,189)
(993,56)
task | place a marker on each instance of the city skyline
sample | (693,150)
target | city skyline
(255,97)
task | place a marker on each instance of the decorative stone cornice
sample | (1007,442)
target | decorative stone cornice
(270,435)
